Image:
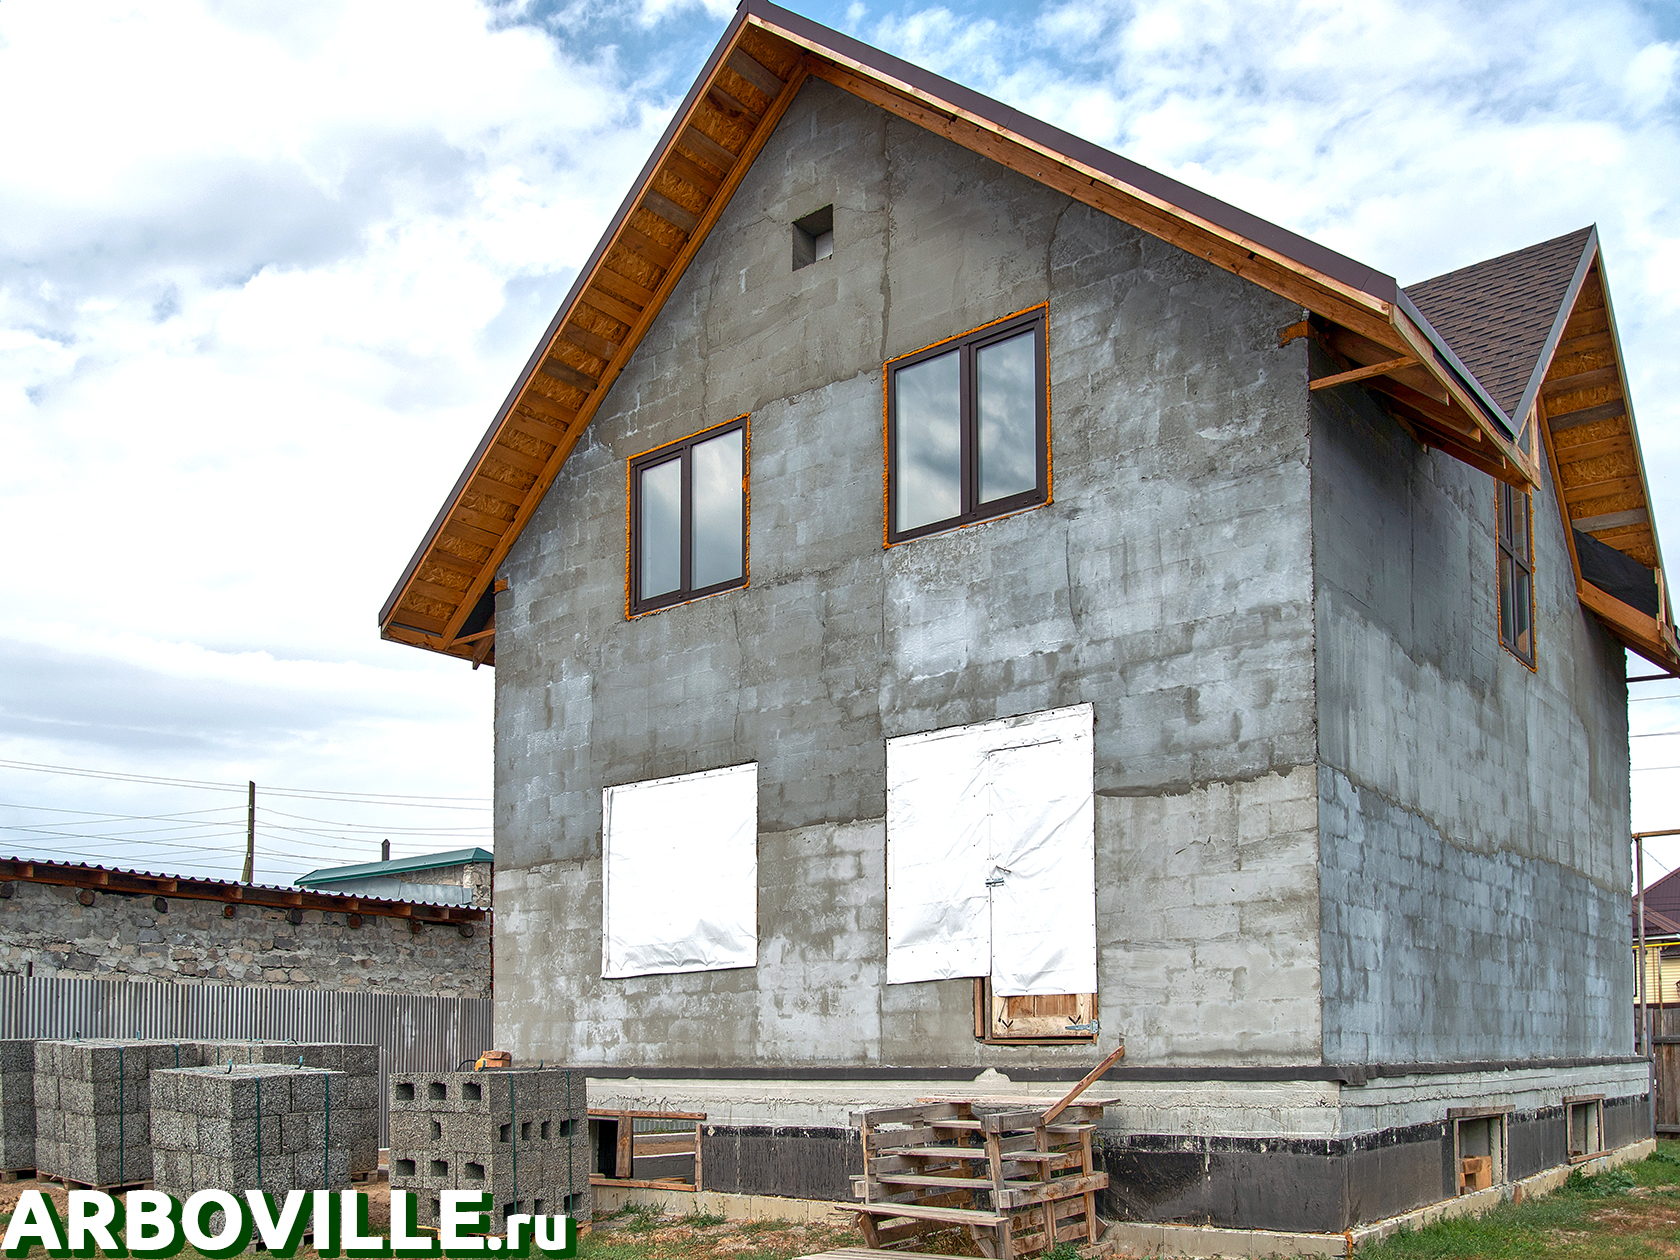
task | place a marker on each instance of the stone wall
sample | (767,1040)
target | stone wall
(45,930)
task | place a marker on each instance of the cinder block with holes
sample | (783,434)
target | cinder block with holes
(520,1134)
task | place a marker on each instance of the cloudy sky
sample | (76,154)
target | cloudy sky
(266,271)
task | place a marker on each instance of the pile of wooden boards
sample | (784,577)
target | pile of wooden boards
(1018,1184)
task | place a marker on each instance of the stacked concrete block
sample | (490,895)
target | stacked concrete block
(250,1126)
(359,1063)
(17,1105)
(514,1133)
(93,1109)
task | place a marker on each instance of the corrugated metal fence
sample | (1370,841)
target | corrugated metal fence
(414,1033)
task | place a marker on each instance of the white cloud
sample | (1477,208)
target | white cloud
(266,271)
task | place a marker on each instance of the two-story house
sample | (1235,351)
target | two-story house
(961,600)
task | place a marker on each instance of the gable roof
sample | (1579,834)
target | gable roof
(1382,335)
(1499,314)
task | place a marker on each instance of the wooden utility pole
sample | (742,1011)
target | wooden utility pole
(250,832)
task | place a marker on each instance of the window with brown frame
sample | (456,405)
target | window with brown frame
(968,428)
(1516,573)
(688,518)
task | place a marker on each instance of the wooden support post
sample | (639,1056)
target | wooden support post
(250,833)
(1114,1056)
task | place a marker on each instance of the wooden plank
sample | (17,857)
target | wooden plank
(1010,1121)
(1621,444)
(597,345)
(904,1115)
(640,243)
(432,590)
(755,73)
(539,429)
(1598,378)
(455,527)
(1603,489)
(1114,1056)
(605,304)
(419,621)
(566,373)
(626,288)
(545,408)
(663,207)
(449,560)
(1021,1194)
(692,173)
(615,1114)
(1636,629)
(731,105)
(1562,421)
(913,1211)
(706,149)
(489,487)
(1434,412)
(1362,373)
(1611,520)
(480,520)
(1592,342)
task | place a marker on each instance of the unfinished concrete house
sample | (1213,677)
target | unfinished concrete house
(961,601)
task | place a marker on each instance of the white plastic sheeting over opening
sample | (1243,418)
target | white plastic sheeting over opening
(991,854)
(680,873)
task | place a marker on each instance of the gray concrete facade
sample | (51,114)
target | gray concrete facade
(1338,828)
(1169,582)
(1473,813)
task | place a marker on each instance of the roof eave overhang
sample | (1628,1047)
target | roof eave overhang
(430,606)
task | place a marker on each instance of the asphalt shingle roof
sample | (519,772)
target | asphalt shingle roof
(1497,314)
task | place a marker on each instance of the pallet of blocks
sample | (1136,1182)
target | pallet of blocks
(17,1109)
(522,1134)
(1018,1184)
(360,1063)
(250,1127)
(93,1103)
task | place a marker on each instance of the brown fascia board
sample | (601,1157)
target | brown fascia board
(822,41)
(142,883)
(579,283)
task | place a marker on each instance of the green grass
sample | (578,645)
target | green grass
(1628,1213)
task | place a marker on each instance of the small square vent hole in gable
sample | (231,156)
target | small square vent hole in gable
(813,238)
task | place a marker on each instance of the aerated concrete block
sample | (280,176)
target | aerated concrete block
(17,1104)
(513,1133)
(250,1126)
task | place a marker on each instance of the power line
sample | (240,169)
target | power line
(482,802)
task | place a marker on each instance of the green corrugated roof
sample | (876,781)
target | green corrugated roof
(367,870)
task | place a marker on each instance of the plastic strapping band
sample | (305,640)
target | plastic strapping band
(513,1135)
(259,1133)
(122,1106)
(571,1146)
(326,1132)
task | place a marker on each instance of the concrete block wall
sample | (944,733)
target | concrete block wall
(1169,582)
(250,1126)
(1474,812)
(17,1104)
(517,1134)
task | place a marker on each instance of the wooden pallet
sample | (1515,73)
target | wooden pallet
(1020,1181)
(16,1174)
(1020,1186)
(68,1184)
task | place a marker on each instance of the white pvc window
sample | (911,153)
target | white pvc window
(680,874)
(991,854)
